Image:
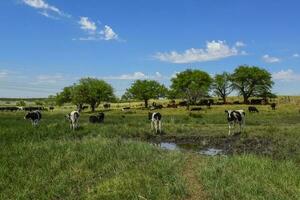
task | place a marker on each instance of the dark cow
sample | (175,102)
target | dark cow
(196,109)
(126,108)
(106,106)
(34,116)
(235,117)
(155,121)
(156,106)
(99,118)
(257,101)
(172,105)
(273,106)
(253,109)
(10,108)
(183,103)
(51,108)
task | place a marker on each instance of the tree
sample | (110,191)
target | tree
(65,96)
(222,86)
(249,80)
(21,103)
(88,90)
(93,92)
(191,85)
(145,90)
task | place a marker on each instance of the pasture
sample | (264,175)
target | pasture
(119,159)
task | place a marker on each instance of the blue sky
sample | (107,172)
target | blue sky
(48,44)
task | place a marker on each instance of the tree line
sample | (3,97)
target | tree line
(190,85)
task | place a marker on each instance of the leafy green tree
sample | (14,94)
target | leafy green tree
(21,103)
(249,81)
(65,96)
(191,85)
(222,86)
(93,91)
(145,90)
(88,90)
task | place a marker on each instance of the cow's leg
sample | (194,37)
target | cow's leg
(159,126)
(152,125)
(156,126)
(229,128)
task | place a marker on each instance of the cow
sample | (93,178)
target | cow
(196,109)
(253,109)
(51,108)
(73,118)
(126,108)
(273,106)
(172,105)
(155,121)
(34,116)
(99,118)
(235,117)
(106,106)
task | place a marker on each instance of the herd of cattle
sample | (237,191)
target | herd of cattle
(234,117)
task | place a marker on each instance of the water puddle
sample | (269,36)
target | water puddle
(211,152)
(186,147)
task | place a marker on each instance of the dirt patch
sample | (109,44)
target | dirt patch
(196,191)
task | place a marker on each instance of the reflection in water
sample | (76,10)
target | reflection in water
(211,152)
(173,146)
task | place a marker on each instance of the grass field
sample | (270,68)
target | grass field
(114,160)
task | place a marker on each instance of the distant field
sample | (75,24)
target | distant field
(114,160)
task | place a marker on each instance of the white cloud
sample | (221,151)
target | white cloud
(87,25)
(108,33)
(240,44)
(49,79)
(286,75)
(270,59)
(45,8)
(135,76)
(3,73)
(296,55)
(214,50)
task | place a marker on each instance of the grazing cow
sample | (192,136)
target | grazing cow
(126,109)
(155,121)
(106,106)
(183,103)
(273,106)
(172,105)
(34,116)
(51,108)
(253,109)
(73,118)
(99,118)
(235,117)
(196,109)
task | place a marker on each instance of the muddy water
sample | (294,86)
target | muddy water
(173,146)
(217,145)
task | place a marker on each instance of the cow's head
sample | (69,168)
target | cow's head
(28,115)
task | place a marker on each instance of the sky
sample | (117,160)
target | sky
(46,45)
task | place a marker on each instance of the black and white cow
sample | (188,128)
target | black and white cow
(99,118)
(34,116)
(155,121)
(235,117)
(253,109)
(73,118)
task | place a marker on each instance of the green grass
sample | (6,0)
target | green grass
(250,177)
(111,161)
